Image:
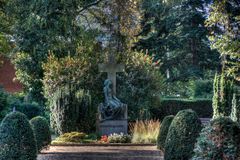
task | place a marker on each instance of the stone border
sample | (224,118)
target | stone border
(107,144)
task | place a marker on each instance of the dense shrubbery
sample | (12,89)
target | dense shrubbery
(30,109)
(235,112)
(10,101)
(202,89)
(141,79)
(223,90)
(3,103)
(72,81)
(74,137)
(182,135)
(41,131)
(17,139)
(203,107)
(66,77)
(119,138)
(164,131)
(65,109)
(218,140)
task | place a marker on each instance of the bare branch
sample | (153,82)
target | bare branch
(90,5)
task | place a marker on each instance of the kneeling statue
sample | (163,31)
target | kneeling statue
(112,108)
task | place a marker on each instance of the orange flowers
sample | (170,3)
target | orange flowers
(104,138)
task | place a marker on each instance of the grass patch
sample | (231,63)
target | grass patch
(74,138)
(145,131)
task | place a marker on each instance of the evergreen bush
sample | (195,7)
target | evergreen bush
(17,139)
(222,96)
(220,139)
(42,132)
(164,131)
(171,106)
(3,103)
(182,135)
(31,110)
(235,113)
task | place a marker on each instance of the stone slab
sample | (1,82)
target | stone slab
(113,126)
(101,153)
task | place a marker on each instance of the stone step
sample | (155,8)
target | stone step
(101,153)
(94,157)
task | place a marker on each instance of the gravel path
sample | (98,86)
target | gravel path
(101,153)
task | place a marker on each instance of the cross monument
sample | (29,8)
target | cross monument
(111,67)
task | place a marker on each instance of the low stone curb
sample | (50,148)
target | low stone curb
(107,145)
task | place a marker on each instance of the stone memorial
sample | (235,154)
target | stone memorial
(112,113)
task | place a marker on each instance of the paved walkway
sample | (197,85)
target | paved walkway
(101,153)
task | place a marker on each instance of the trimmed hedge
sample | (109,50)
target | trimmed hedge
(203,107)
(182,135)
(219,140)
(164,131)
(17,141)
(31,110)
(42,132)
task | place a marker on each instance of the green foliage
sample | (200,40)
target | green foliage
(174,31)
(29,109)
(119,138)
(235,112)
(3,103)
(65,106)
(75,78)
(41,27)
(218,140)
(202,89)
(171,106)
(5,27)
(182,135)
(141,79)
(164,131)
(224,24)
(76,137)
(222,96)
(41,131)
(17,139)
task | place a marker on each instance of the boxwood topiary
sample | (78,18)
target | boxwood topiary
(42,131)
(17,140)
(164,131)
(182,135)
(218,140)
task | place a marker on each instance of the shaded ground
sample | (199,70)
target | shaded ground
(101,153)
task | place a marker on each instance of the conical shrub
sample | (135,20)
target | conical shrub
(164,131)
(42,132)
(182,135)
(17,141)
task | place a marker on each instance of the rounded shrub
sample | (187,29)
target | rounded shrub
(42,132)
(220,139)
(164,131)
(17,140)
(182,135)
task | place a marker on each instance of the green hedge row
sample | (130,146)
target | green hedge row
(203,107)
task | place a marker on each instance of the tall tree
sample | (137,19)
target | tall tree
(43,26)
(5,25)
(174,31)
(224,24)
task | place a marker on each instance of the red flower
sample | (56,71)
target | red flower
(104,138)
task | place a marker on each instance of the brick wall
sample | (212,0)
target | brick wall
(7,74)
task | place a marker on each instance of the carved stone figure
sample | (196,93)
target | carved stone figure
(112,108)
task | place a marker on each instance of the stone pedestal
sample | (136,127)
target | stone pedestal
(108,127)
(113,126)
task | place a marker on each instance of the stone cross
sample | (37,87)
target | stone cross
(111,67)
